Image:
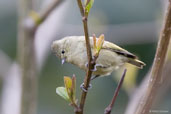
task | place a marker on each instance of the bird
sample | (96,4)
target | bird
(72,49)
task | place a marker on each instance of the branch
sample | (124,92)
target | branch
(156,78)
(37,19)
(135,98)
(27,62)
(80,7)
(50,8)
(91,62)
(26,53)
(109,108)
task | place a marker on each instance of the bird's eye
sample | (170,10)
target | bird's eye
(63,51)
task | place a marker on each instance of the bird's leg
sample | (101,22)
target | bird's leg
(93,77)
(83,88)
(97,65)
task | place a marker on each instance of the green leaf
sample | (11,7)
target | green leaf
(61,91)
(100,42)
(89,6)
(98,45)
(67,82)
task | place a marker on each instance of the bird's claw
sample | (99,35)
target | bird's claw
(95,69)
(95,66)
(86,64)
(83,88)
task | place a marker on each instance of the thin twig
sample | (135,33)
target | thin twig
(49,9)
(109,108)
(156,78)
(80,5)
(91,62)
(76,108)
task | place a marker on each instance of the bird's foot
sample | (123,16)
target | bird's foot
(86,65)
(83,87)
(95,66)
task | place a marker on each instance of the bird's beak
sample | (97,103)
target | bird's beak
(63,61)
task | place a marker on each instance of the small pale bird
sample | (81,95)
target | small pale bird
(72,49)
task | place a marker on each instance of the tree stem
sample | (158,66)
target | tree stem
(27,62)
(26,54)
(89,55)
(156,78)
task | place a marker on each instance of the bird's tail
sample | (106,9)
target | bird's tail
(137,63)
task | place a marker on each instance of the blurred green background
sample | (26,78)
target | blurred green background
(108,17)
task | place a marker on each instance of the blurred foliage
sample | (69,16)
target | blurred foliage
(8,32)
(118,11)
(147,52)
(51,76)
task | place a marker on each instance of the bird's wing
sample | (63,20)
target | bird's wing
(120,51)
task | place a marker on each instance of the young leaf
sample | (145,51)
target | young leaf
(70,87)
(61,91)
(100,42)
(94,42)
(89,6)
(73,87)
(67,82)
(97,45)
